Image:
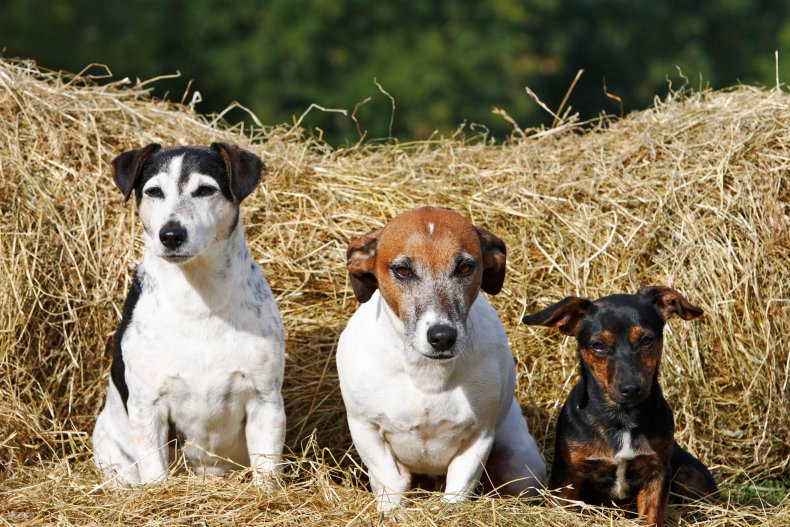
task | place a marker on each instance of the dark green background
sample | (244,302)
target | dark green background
(445,62)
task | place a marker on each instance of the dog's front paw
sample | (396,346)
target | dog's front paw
(387,501)
(265,480)
(455,497)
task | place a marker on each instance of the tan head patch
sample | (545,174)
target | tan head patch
(599,368)
(432,237)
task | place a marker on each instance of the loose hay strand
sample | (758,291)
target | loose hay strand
(691,193)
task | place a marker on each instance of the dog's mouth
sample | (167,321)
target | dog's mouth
(443,355)
(177,258)
(628,402)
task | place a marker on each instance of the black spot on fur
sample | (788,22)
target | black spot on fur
(117,370)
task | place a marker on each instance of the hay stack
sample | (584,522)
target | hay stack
(692,193)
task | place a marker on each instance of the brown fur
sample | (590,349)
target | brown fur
(409,233)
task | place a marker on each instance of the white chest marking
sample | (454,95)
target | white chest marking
(621,458)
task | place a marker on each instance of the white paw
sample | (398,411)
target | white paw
(266,481)
(387,501)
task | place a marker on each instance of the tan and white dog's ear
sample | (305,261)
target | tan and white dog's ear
(565,315)
(244,169)
(669,302)
(494,255)
(126,168)
(361,263)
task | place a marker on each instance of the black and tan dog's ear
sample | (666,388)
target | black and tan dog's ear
(565,315)
(669,302)
(361,263)
(494,261)
(126,168)
(244,169)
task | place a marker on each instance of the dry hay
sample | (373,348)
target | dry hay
(692,193)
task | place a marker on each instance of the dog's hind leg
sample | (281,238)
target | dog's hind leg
(690,477)
(515,466)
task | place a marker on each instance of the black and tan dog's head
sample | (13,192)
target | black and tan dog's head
(620,337)
(429,264)
(188,196)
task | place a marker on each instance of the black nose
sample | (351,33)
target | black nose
(172,235)
(442,336)
(630,390)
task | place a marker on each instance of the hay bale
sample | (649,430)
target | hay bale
(693,193)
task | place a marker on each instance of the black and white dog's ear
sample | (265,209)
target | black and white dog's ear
(361,264)
(244,169)
(126,168)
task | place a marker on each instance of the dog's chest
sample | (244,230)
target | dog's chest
(617,470)
(202,367)
(425,430)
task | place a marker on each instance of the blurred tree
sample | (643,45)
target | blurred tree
(445,62)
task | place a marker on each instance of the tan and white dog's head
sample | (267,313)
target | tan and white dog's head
(188,196)
(429,264)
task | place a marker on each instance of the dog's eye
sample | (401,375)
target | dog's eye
(646,340)
(465,269)
(403,271)
(204,191)
(154,192)
(598,345)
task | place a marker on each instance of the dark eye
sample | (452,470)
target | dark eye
(204,191)
(646,340)
(403,271)
(598,345)
(154,192)
(465,268)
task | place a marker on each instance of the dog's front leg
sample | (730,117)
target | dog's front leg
(265,433)
(148,429)
(466,468)
(651,500)
(385,477)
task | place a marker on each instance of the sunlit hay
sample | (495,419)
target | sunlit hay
(692,193)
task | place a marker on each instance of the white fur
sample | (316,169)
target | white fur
(204,351)
(621,459)
(410,414)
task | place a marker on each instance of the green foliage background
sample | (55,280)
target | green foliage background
(445,62)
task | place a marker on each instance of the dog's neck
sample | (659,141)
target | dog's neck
(429,375)
(206,283)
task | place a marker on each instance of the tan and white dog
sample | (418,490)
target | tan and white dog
(426,372)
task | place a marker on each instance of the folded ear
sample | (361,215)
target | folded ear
(494,261)
(669,302)
(126,168)
(244,169)
(361,263)
(565,315)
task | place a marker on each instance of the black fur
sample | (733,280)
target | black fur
(117,370)
(592,421)
(201,159)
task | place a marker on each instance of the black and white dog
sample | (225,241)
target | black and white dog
(199,353)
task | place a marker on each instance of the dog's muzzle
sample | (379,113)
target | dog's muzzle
(172,235)
(442,339)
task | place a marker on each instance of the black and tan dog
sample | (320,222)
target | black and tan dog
(615,432)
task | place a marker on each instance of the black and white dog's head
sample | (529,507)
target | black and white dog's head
(188,196)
